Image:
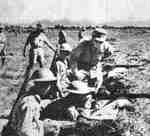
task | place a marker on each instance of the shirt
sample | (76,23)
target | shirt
(87,54)
(40,40)
(37,39)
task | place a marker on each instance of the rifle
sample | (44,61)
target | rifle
(128,96)
(56,54)
(109,67)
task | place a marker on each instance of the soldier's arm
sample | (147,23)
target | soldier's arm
(26,44)
(47,42)
(59,77)
(74,57)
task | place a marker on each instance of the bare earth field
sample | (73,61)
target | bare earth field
(133,47)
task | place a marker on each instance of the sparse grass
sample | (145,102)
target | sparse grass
(128,42)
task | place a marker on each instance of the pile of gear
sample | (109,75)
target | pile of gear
(66,95)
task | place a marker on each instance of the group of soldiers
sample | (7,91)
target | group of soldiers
(74,79)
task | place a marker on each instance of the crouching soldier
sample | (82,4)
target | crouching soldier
(25,114)
(89,54)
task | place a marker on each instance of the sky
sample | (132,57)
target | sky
(96,11)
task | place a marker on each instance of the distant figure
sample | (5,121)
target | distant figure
(37,39)
(80,35)
(3,44)
(61,37)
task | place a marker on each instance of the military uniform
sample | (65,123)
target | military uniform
(37,40)
(89,54)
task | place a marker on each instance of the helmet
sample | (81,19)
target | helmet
(97,34)
(43,75)
(66,47)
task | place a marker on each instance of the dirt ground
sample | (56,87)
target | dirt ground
(132,47)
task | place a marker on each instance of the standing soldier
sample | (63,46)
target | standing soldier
(3,43)
(37,39)
(88,56)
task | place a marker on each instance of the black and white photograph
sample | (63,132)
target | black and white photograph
(74,68)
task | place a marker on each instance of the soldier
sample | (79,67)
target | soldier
(89,54)
(63,67)
(61,40)
(80,35)
(24,119)
(3,43)
(37,39)
(61,37)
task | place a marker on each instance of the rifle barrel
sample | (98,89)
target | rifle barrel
(129,96)
(125,66)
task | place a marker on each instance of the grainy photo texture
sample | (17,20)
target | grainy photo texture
(74,68)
